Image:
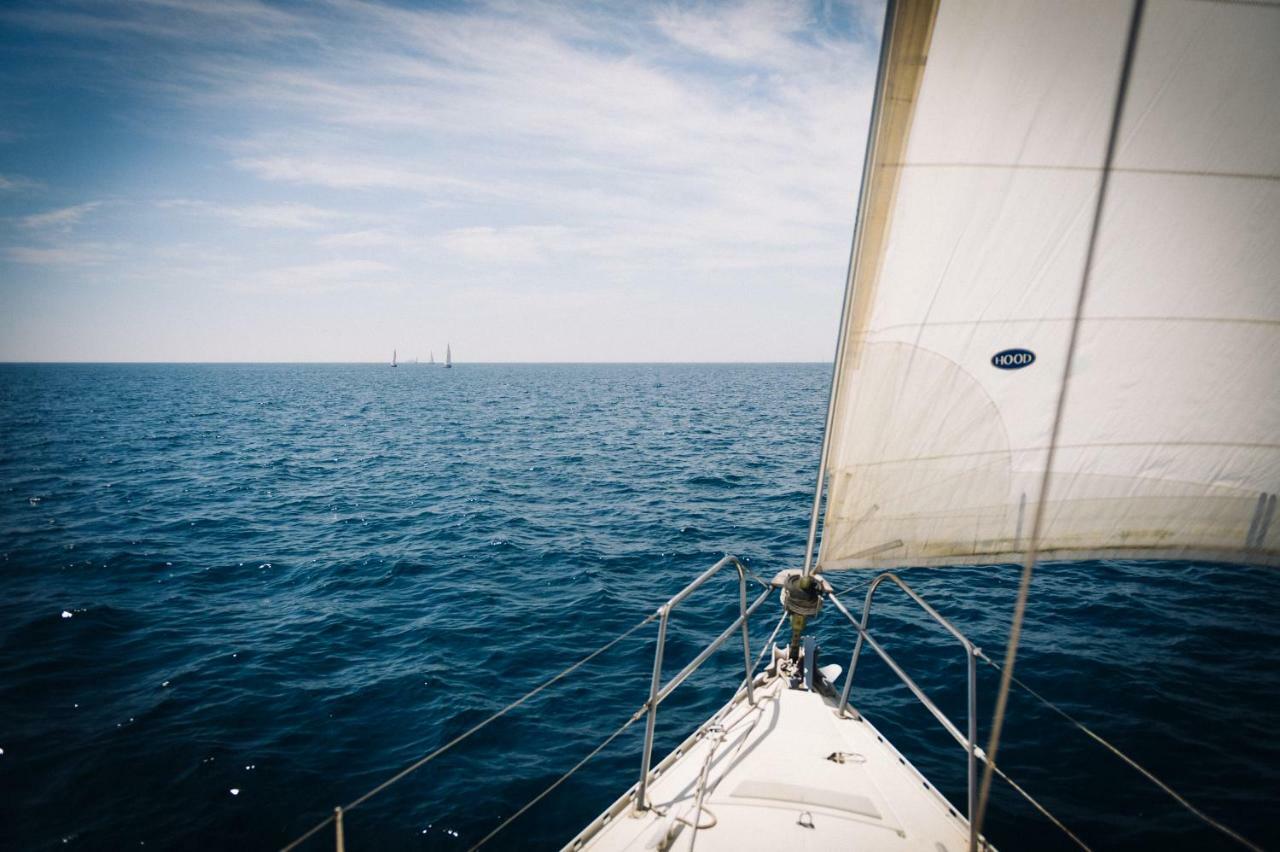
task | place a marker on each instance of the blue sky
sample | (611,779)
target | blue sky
(190,180)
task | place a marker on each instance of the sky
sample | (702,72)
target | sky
(187,180)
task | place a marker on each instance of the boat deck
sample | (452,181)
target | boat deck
(785,774)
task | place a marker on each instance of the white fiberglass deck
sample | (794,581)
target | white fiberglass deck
(787,773)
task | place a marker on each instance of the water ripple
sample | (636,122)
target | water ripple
(292,580)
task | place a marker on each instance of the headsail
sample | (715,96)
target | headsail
(984,167)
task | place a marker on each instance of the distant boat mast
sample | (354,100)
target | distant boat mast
(448,357)
(393,357)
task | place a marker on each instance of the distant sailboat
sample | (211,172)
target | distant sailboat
(433,358)
(973,254)
(448,357)
(393,357)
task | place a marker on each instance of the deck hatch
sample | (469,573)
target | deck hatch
(834,799)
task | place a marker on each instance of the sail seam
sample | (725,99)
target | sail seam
(1194,553)
(1091,445)
(1269,4)
(1046,167)
(967,323)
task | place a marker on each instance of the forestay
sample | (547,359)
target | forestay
(984,166)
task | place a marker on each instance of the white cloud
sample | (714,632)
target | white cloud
(367,238)
(271,216)
(506,246)
(755,33)
(320,277)
(63,218)
(563,131)
(546,147)
(18,183)
(88,254)
(186,20)
(360,173)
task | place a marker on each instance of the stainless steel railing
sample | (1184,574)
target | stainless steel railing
(658,692)
(971,652)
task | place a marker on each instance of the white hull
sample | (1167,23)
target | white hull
(774,780)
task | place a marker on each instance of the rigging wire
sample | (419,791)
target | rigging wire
(565,777)
(418,764)
(1118,753)
(1041,808)
(756,577)
(846,304)
(767,645)
(1024,585)
(998,771)
(1114,749)
(634,718)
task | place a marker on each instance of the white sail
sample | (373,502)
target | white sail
(448,356)
(984,169)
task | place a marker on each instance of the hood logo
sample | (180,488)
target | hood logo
(1013,359)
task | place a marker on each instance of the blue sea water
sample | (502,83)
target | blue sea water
(292,580)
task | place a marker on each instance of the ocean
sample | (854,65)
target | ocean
(235,596)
